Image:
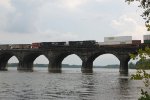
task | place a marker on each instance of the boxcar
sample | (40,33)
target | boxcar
(36,45)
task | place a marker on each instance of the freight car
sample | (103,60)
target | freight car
(4,46)
(136,42)
(20,46)
(89,43)
(86,43)
(58,43)
(36,45)
(75,43)
(47,45)
(146,39)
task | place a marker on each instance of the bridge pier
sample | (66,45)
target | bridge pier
(54,65)
(87,67)
(3,62)
(3,66)
(124,59)
(27,67)
(54,68)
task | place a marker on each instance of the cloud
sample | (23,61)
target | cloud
(53,35)
(27,15)
(129,24)
(19,16)
(6,4)
(102,1)
(125,22)
(71,4)
(47,36)
(6,11)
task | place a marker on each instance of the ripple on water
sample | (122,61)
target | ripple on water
(104,84)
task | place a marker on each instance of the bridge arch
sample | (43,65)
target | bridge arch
(106,59)
(72,59)
(91,58)
(123,58)
(41,61)
(105,55)
(27,62)
(4,58)
(13,61)
(56,64)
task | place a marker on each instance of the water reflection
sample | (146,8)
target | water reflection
(126,89)
(88,87)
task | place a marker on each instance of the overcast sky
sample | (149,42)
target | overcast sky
(27,21)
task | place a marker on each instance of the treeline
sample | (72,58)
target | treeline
(67,65)
(144,64)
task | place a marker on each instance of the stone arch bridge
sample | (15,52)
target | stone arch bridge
(55,55)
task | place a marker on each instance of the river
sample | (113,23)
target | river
(71,84)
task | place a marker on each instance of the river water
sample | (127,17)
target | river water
(71,84)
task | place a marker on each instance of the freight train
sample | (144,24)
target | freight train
(108,41)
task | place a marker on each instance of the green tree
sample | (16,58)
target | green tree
(145,5)
(144,64)
(132,65)
(141,73)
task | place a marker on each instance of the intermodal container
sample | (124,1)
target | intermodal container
(146,37)
(108,43)
(118,39)
(146,41)
(114,43)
